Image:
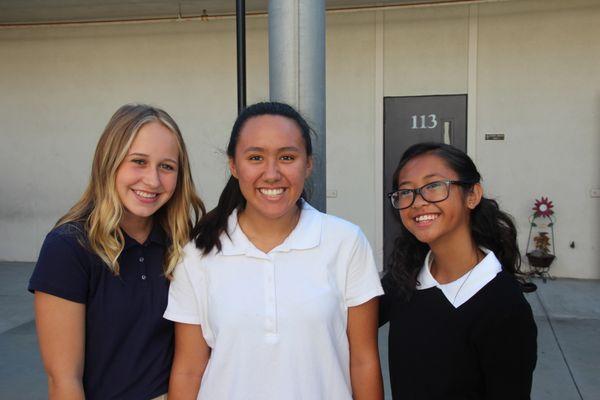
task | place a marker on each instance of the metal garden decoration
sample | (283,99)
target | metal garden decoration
(541,239)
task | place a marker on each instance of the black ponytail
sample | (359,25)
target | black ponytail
(208,231)
(494,229)
(210,227)
(491,227)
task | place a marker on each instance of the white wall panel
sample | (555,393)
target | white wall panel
(350,115)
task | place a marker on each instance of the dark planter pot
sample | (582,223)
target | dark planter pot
(537,259)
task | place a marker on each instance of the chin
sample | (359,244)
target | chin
(425,237)
(141,212)
(275,214)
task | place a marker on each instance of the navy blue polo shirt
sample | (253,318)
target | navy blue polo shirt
(128,344)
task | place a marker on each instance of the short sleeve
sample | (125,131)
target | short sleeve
(183,305)
(62,268)
(362,281)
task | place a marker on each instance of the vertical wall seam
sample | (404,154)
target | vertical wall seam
(297,54)
(378,142)
(473,38)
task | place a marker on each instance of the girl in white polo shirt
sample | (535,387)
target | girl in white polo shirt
(273,299)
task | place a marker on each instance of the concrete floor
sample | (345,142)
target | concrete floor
(567,314)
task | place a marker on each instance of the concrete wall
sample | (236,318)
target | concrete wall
(530,69)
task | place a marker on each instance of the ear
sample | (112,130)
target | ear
(474,196)
(232,168)
(309,166)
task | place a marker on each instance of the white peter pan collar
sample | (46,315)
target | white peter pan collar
(306,235)
(461,290)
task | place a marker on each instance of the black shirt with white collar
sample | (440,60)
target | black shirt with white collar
(472,339)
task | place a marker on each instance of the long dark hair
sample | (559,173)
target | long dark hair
(214,223)
(490,227)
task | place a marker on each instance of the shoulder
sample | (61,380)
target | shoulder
(67,237)
(506,300)
(345,236)
(64,265)
(334,226)
(332,230)
(191,253)
(69,232)
(506,289)
(193,259)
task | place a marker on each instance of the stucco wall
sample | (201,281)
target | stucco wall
(530,69)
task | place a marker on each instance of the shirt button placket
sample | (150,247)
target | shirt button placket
(270,296)
(141,259)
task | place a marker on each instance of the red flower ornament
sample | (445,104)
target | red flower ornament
(543,207)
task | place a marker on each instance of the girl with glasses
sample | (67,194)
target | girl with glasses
(101,279)
(273,299)
(460,328)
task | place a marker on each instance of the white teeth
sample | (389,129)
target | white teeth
(146,195)
(271,192)
(427,217)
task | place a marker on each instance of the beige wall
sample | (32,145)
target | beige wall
(61,85)
(539,83)
(530,69)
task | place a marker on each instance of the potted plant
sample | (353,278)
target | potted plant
(541,257)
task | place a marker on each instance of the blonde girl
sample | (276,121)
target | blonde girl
(101,279)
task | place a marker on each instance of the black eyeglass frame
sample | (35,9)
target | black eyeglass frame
(417,191)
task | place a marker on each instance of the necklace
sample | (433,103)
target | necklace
(466,279)
(461,286)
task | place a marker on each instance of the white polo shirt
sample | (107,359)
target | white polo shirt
(276,322)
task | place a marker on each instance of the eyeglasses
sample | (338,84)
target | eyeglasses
(433,192)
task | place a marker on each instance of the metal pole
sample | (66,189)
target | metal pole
(297,73)
(240,18)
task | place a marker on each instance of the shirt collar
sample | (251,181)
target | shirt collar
(306,235)
(157,235)
(465,287)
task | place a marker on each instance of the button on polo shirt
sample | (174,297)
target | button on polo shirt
(128,345)
(276,322)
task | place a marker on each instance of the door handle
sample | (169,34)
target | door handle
(447,134)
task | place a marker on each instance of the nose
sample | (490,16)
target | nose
(151,177)
(271,172)
(419,201)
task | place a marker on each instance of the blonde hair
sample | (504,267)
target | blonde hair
(100,208)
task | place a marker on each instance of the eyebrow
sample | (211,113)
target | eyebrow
(282,149)
(146,155)
(425,177)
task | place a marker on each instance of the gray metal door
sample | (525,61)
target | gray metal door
(410,120)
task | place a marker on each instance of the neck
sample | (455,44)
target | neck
(454,257)
(267,234)
(137,228)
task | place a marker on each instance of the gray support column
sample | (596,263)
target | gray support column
(297,73)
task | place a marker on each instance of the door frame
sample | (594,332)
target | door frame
(471,125)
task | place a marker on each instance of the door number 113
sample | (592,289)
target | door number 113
(424,121)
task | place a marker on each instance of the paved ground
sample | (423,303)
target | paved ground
(567,313)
